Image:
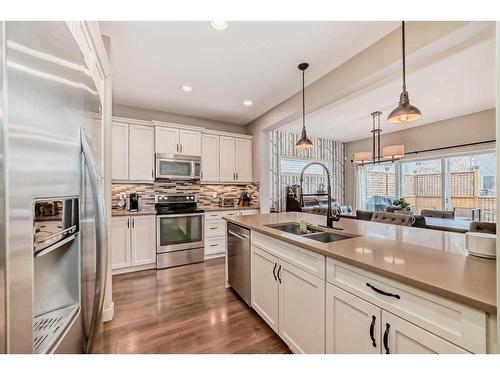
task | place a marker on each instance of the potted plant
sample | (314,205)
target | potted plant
(403,205)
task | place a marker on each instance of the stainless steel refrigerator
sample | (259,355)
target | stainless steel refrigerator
(53,230)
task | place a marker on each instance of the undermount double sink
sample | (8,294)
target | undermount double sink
(312,233)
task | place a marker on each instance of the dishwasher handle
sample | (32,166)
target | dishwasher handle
(240,236)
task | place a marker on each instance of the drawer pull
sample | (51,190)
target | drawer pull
(386,338)
(274,272)
(279,273)
(380,291)
(215,244)
(213,228)
(372,331)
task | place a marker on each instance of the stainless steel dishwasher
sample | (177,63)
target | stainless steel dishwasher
(238,260)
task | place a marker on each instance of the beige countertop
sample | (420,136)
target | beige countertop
(217,208)
(144,211)
(431,260)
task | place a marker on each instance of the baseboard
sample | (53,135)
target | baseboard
(213,256)
(107,314)
(144,267)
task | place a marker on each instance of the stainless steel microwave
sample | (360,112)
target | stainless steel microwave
(178,167)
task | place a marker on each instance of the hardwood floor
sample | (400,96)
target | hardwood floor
(184,309)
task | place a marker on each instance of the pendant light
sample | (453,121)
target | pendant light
(378,154)
(404,112)
(303,142)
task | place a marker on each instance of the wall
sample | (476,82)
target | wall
(203,192)
(149,114)
(475,127)
(283,147)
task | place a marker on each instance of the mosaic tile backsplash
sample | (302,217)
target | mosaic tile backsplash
(204,193)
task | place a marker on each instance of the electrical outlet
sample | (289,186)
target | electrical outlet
(214,194)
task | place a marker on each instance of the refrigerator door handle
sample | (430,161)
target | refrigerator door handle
(101,237)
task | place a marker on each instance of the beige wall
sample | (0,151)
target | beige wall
(149,114)
(475,127)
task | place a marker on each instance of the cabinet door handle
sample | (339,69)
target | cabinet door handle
(128,223)
(215,244)
(212,228)
(386,338)
(177,147)
(152,174)
(181,147)
(372,331)
(279,273)
(274,272)
(133,222)
(237,176)
(380,291)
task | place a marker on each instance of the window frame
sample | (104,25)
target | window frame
(445,183)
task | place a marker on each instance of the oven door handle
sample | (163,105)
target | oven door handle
(179,215)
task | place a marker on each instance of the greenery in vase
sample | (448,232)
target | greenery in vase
(401,203)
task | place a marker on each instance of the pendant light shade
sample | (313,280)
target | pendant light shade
(304,142)
(404,112)
(363,157)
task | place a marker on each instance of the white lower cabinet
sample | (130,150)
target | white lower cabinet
(120,237)
(402,337)
(215,230)
(355,326)
(301,309)
(353,311)
(133,243)
(290,300)
(265,288)
(143,240)
(352,324)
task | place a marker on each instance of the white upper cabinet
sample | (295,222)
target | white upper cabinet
(210,157)
(166,140)
(243,160)
(190,142)
(227,171)
(178,141)
(119,151)
(141,153)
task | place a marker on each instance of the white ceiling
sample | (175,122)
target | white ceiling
(250,60)
(459,82)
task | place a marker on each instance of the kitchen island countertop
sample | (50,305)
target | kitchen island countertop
(431,260)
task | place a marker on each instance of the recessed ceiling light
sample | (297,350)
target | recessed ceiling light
(186,88)
(219,25)
(247,102)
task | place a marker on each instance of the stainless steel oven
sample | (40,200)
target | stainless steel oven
(179,231)
(178,167)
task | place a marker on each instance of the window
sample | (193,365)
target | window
(472,191)
(465,184)
(295,166)
(421,184)
(380,186)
